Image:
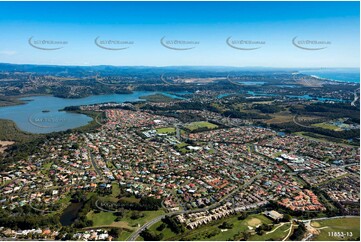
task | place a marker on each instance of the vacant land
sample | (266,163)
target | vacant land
(346,225)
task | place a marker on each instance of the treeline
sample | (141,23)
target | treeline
(329,110)
(151,236)
(145,204)
(65,91)
(81,220)
(28,221)
(299,232)
(291,127)
(244,115)
(173,225)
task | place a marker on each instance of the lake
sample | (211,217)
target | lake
(40,114)
(70,214)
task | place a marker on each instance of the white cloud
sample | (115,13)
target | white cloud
(8,52)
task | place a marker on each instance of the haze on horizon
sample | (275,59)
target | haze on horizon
(207,24)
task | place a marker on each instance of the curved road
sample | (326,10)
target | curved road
(136,233)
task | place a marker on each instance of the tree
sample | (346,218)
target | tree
(286,218)
(242,216)
(161,227)
(115,232)
(225,225)
(136,214)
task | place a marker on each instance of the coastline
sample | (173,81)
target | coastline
(317,76)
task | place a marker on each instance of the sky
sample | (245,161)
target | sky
(268,34)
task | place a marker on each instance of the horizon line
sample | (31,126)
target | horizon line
(204,66)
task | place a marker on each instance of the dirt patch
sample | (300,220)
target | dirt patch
(254,222)
(315,224)
(121,224)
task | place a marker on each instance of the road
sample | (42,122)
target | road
(233,82)
(295,121)
(94,163)
(136,233)
(353,103)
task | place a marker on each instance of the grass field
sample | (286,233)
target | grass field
(124,235)
(168,130)
(197,125)
(102,218)
(327,126)
(338,225)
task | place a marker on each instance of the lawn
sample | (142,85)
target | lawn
(338,225)
(124,235)
(101,218)
(197,125)
(115,189)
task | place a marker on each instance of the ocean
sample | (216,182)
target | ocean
(342,75)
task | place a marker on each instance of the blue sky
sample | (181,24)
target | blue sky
(208,24)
